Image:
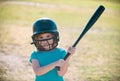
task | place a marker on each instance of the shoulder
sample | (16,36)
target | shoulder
(62,52)
(33,53)
(33,56)
(60,49)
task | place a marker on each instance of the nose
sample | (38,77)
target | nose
(43,42)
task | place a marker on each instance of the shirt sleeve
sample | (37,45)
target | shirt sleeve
(33,56)
(63,53)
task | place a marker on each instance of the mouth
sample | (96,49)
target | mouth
(46,46)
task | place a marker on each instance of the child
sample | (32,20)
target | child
(47,55)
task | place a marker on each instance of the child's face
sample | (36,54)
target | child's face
(45,40)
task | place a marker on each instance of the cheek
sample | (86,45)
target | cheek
(38,43)
(51,41)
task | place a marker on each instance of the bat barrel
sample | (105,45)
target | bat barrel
(90,23)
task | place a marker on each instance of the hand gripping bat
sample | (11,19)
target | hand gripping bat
(90,23)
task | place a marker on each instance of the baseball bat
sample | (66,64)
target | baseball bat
(90,23)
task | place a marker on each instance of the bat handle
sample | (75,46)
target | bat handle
(57,67)
(68,54)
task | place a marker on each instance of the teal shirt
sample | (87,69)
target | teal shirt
(46,58)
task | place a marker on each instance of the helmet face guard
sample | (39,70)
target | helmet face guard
(50,46)
(41,26)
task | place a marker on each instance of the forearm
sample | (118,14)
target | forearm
(64,68)
(44,69)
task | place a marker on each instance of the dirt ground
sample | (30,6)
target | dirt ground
(15,68)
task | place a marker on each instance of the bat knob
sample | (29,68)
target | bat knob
(58,68)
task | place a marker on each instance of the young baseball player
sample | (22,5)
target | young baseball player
(47,55)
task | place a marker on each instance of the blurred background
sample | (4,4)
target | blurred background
(98,53)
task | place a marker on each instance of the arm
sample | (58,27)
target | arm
(38,70)
(63,68)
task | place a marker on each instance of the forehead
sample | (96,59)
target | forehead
(45,34)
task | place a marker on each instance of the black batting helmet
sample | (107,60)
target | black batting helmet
(45,25)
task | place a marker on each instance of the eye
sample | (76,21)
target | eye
(40,38)
(37,37)
(49,36)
